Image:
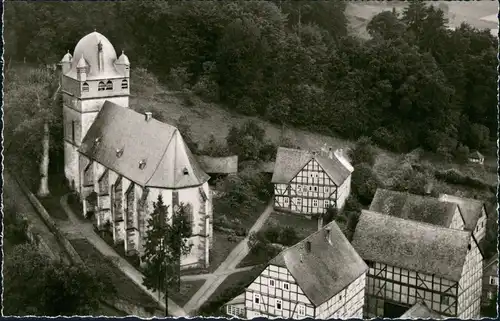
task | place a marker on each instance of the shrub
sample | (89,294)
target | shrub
(454,176)
(363,152)
(364,183)
(288,236)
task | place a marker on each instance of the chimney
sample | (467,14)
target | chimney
(327,235)
(330,153)
(308,247)
(148,115)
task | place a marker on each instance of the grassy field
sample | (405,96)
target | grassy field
(187,290)
(126,289)
(232,286)
(475,13)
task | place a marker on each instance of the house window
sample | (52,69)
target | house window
(315,203)
(493,280)
(327,203)
(315,188)
(302,309)
(271,283)
(124,84)
(310,188)
(340,297)
(101,86)
(327,189)
(85,87)
(299,201)
(445,300)
(109,85)
(256,298)
(286,200)
(286,286)
(278,304)
(299,189)
(489,295)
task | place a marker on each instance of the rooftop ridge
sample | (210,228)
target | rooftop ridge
(437,227)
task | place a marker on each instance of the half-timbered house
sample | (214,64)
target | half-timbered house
(320,277)
(126,160)
(421,311)
(473,212)
(411,261)
(425,209)
(490,281)
(309,182)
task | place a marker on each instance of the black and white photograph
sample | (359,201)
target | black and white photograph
(246,159)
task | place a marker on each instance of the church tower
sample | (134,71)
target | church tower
(89,77)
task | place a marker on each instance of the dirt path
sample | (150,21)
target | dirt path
(75,228)
(234,258)
(205,276)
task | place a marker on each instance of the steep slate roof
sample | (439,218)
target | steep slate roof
(158,144)
(471,209)
(421,311)
(221,165)
(329,267)
(411,244)
(290,161)
(414,207)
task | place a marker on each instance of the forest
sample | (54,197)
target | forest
(413,84)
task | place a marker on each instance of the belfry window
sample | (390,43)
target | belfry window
(109,85)
(124,84)
(73,130)
(101,86)
(85,87)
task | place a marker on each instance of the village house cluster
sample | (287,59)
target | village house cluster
(410,255)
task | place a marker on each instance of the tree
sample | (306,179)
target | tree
(214,148)
(165,244)
(363,152)
(246,141)
(31,103)
(386,25)
(36,285)
(185,130)
(364,183)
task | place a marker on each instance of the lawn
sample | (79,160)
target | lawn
(126,289)
(187,290)
(303,226)
(232,286)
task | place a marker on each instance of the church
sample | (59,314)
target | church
(119,161)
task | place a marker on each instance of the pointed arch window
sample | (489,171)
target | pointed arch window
(85,87)
(101,86)
(124,84)
(109,85)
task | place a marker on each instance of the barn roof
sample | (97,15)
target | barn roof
(471,208)
(411,244)
(120,139)
(218,165)
(329,266)
(290,161)
(421,311)
(414,207)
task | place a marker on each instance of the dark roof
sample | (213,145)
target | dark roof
(411,245)
(414,207)
(492,262)
(218,165)
(330,266)
(169,162)
(421,311)
(471,209)
(476,154)
(290,161)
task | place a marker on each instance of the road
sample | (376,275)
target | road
(234,258)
